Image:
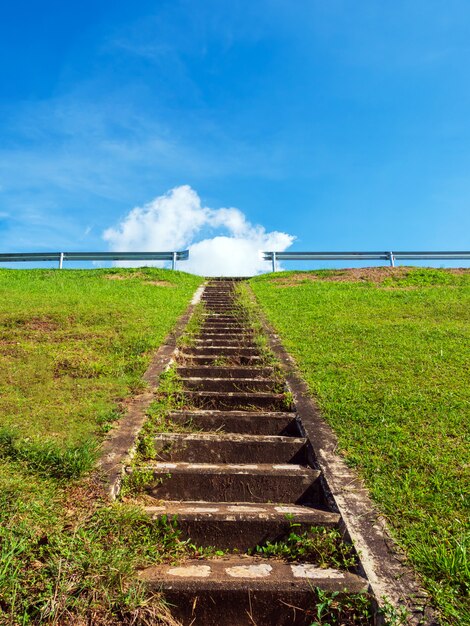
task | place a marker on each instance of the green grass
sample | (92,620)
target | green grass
(324,546)
(388,363)
(72,343)
(73,347)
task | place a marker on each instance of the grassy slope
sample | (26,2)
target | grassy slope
(72,344)
(389,366)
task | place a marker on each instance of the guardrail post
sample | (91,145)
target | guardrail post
(392,259)
(173,263)
(61,260)
(274,262)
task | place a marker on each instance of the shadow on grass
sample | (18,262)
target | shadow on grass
(49,458)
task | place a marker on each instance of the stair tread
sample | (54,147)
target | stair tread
(234,379)
(244,572)
(241,511)
(231,437)
(244,394)
(275,469)
(221,413)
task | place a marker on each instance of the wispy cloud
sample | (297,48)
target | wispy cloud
(178,220)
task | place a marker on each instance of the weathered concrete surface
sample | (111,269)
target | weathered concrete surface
(215,371)
(221,350)
(261,423)
(241,525)
(212,482)
(235,400)
(246,591)
(214,358)
(229,384)
(230,448)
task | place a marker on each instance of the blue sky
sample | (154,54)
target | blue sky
(344,124)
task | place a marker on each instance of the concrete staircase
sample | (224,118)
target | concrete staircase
(240,476)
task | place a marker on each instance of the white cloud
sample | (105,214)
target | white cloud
(177,221)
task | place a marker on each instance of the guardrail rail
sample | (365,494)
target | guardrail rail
(60,257)
(389,256)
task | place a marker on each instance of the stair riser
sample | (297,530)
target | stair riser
(256,425)
(238,535)
(219,317)
(215,359)
(194,451)
(224,372)
(222,351)
(225,333)
(224,329)
(198,607)
(228,385)
(236,488)
(215,342)
(234,403)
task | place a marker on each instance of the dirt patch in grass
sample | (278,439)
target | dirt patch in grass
(375,275)
(158,283)
(140,275)
(126,276)
(42,323)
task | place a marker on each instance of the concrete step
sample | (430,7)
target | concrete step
(213,371)
(229,329)
(214,358)
(247,591)
(225,332)
(261,423)
(212,482)
(221,310)
(224,340)
(240,401)
(240,526)
(230,448)
(231,385)
(222,350)
(222,317)
(214,321)
(219,297)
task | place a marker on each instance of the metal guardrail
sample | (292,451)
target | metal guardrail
(364,256)
(60,257)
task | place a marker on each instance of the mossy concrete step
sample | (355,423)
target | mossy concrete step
(212,371)
(231,385)
(225,334)
(229,329)
(230,448)
(240,525)
(220,299)
(225,309)
(216,359)
(222,350)
(241,401)
(223,317)
(261,423)
(220,304)
(247,591)
(215,321)
(203,340)
(212,482)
